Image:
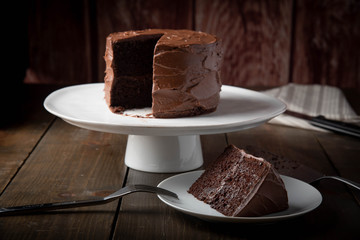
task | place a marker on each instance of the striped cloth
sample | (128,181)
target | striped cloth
(312,100)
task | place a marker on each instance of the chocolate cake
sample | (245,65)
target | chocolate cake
(175,72)
(241,185)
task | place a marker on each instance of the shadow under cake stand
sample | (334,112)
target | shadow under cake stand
(162,145)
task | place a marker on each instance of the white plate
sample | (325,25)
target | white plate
(84,106)
(302,197)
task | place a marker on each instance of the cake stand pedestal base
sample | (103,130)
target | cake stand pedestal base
(163,154)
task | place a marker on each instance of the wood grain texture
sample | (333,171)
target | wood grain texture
(341,151)
(117,16)
(59,44)
(302,141)
(326,43)
(144,216)
(255,36)
(304,147)
(20,132)
(69,163)
(266,43)
(147,217)
(350,146)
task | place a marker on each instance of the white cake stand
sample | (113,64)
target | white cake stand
(162,145)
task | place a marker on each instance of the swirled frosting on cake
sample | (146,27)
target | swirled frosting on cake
(176,72)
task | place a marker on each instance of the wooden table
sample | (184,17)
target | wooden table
(44,159)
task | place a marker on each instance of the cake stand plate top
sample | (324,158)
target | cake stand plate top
(84,106)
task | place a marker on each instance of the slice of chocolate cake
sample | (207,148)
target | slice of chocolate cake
(239,184)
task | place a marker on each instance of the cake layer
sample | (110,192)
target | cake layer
(129,64)
(185,69)
(239,184)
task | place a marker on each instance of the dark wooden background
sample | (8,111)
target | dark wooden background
(266,42)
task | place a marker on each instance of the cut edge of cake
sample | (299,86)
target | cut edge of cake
(240,184)
(185,76)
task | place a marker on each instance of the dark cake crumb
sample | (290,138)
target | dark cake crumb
(133,61)
(239,184)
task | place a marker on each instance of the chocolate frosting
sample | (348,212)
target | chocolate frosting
(239,184)
(269,197)
(186,71)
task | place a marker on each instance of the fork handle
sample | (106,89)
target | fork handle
(49,206)
(344,180)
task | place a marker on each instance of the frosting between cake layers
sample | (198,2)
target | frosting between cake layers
(239,184)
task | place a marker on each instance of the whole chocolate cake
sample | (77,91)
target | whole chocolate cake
(241,185)
(176,72)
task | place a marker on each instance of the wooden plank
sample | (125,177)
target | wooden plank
(16,143)
(255,36)
(280,141)
(116,16)
(21,130)
(144,216)
(302,146)
(59,43)
(326,47)
(66,39)
(69,163)
(343,152)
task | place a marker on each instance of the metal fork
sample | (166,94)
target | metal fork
(81,203)
(344,180)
